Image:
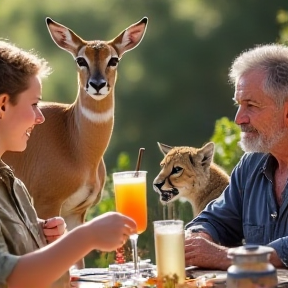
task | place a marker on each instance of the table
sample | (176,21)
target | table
(195,272)
(282,275)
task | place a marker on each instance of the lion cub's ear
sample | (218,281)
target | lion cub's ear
(206,153)
(164,148)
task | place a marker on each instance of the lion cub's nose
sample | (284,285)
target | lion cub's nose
(157,186)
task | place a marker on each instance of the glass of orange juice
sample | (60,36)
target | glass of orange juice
(130,199)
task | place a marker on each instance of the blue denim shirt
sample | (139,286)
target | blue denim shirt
(247,211)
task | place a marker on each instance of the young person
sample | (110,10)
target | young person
(34,252)
(253,209)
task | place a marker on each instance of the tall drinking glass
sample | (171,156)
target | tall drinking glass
(169,250)
(131,200)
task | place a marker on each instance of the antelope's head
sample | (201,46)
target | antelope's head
(97,60)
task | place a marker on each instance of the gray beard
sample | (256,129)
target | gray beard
(262,144)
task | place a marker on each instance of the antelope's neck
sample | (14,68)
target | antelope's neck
(94,120)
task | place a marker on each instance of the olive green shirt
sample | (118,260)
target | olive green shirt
(20,232)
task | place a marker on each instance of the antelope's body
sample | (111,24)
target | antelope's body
(63,165)
(69,180)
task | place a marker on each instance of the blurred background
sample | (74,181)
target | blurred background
(171,89)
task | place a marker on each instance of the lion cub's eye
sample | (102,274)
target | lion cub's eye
(176,169)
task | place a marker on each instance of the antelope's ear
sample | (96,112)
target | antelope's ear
(130,37)
(164,148)
(64,38)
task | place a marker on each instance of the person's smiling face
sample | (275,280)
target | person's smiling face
(19,120)
(261,121)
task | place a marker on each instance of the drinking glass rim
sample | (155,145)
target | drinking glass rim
(129,172)
(169,221)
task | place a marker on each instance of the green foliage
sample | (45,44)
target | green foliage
(226,137)
(169,86)
(123,162)
(282,19)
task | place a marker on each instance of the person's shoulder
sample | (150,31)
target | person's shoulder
(252,158)
(6,174)
(8,178)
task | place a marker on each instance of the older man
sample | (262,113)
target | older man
(253,209)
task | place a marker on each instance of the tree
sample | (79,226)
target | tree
(226,137)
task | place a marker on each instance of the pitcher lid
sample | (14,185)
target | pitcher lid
(249,250)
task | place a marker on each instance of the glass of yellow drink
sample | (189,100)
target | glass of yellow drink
(169,250)
(130,199)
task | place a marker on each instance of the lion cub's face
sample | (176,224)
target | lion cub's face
(184,171)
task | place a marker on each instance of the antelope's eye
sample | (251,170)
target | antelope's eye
(113,61)
(81,62)
(176,169)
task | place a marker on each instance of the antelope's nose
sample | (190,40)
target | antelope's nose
(98,84)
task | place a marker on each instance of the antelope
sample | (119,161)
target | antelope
(63,166)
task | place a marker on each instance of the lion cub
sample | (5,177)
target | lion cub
(190,173)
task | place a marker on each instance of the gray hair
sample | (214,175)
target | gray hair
(272,60)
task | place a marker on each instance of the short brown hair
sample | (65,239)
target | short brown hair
(17,67)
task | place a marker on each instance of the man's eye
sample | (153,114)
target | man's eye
(113,61)
(81,62)
(251,105)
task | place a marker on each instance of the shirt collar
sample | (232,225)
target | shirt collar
(269,167)
(4,165)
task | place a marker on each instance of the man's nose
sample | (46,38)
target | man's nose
(241,117)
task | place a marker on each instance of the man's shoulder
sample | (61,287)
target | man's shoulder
(254,158)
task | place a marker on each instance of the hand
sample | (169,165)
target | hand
(111,230)
(201,251)
(275,260)
(53,228)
